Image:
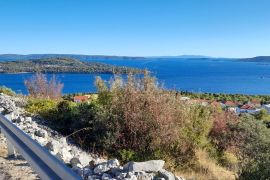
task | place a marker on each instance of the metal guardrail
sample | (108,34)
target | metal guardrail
(43,163)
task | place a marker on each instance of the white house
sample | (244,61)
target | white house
(267,107)
(183,98)
(248,109)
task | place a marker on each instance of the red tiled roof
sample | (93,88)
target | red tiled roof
(247,107)
(255,101)
(80,98)
(230,103)
(215,103)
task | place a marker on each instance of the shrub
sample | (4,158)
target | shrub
(253,141)
(138,114)
(220,129)
(7,91)
(44,107)
(229,160)
(39,86)
(136,119)
(126,155)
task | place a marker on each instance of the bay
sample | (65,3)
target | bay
(195,75)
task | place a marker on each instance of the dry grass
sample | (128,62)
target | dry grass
(208,169)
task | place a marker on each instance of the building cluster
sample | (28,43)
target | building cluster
(251,107)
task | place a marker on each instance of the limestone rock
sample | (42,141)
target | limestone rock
(101,168)
(106,166)
(41,133)
(166,175)
(74,161)
(147,166)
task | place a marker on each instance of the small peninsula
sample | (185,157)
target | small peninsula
(63,65)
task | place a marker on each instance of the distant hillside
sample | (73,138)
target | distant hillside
(257,59)
(62,65)
(15,57)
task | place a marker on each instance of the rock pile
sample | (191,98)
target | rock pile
(88,166)
(111,169)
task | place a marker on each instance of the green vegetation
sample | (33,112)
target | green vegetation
(253,140)
(43,107)
(7,91)
(135,119)
(62,65)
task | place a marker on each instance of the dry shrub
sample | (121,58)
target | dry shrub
(221,128)
(39,86)
(152,122)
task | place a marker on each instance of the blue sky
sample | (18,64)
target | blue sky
(220,28)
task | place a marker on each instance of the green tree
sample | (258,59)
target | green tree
(253,141)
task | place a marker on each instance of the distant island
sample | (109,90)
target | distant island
(15,57)
(265,59)
(63,65)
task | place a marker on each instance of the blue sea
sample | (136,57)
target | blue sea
(194,75)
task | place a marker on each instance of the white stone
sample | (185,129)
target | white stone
(101,168)
(166,175)
(66,155)
(42,141)
(148,166)
(113,163)
(28,119)
(85,158)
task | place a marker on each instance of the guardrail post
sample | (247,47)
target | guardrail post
(11,150)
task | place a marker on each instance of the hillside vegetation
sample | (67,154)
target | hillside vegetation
(62,65)
(137,120)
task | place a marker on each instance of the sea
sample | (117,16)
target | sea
(194,75)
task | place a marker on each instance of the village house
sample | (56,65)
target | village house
(216,104)
(202,102)
(79,99)
(230,106)
(184,98)
(247,108)
(266,107)
(255,102)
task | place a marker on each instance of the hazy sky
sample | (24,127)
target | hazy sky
(222,28)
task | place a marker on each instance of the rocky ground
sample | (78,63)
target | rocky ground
(88,166)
